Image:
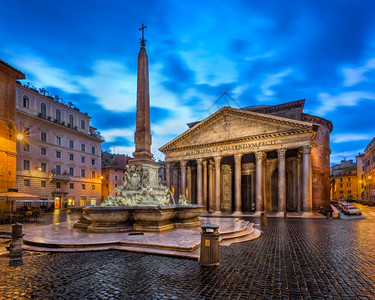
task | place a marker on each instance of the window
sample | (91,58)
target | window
(43,137)
(58,185)
(93,162)
(93,174)
(83,186)
(58,154)
(58,116)
(43,166)
(341,192)
(71,121)
(83,173)
(82,201)
(43,183)
(71,201)
(58,141)
(93,187)
(71,171)
(349,191)
(93,201)
(83,124)
(83,159)
(43,151)
(116,177)
(340,179)
(340,184)
(58,169)
(26,101)
(43,110)
(26,147)
(26,165)
(71,186)
(71,144)
(93,150)
(106,185)
(83,147)
(26,182)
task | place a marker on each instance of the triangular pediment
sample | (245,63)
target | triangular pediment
(230,124)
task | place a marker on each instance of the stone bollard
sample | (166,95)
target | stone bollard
(263,218)
(16,245)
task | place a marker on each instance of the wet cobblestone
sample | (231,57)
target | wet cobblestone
(293,259)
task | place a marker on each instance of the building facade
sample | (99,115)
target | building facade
(369,172)
(8,151)
(260,158)
(59,156)
(344,181)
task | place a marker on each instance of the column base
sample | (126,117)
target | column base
(258,213)
(281,214)
(237,213)
(306,214)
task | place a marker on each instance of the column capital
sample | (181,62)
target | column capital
(168,164)
(183,163)
(306,149)
(204,163)
(237,158)
(281,153)
(217,159)
(260,155)
(199,161)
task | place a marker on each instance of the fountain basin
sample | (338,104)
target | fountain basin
(101,219)
(187,215)
(105,219)
(153,218)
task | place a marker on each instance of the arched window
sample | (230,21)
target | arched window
(83,124)
(58,116)
(26,102)
(71,121)
(43,110)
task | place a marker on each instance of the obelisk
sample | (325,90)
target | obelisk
(142,136)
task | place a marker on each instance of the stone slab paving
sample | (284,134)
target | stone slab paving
(293,259)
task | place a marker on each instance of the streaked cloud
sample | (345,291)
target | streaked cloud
(328,102)
(350,137)
(353,76)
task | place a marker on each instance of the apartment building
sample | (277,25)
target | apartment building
(58,153)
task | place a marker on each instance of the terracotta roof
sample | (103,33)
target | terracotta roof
(20,74)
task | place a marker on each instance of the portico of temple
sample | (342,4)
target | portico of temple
(259,159)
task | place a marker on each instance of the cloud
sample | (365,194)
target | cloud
(328,103)
(350,137)
(354,76)
(336,158)
(112,84)
(44,75)
(271,81)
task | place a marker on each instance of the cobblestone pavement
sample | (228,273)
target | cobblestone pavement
(295,259)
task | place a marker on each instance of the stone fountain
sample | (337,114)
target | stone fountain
(142,203)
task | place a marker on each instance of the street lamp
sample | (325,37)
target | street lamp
(19,136)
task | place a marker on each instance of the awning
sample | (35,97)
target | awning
(32,200)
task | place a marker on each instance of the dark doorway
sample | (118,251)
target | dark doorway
(246,192)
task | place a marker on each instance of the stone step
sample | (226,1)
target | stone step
(249,230)
(254,235)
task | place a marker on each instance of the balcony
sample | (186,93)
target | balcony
(62,176)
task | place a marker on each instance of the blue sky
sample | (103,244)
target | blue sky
(260,52)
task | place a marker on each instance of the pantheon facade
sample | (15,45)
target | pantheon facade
(254,159)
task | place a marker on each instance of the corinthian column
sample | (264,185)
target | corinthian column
(281,181)
(204,163)
(168,175)
(199,181)
(306,179)
(176,183)
(217,182)
(259,184)
(237,182)
(183,177)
